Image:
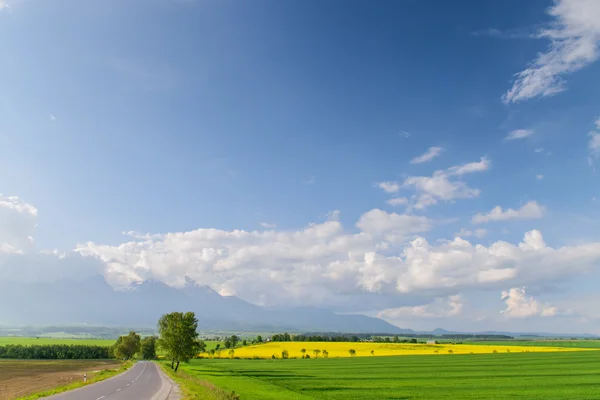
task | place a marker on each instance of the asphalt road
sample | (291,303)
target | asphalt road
(143,381)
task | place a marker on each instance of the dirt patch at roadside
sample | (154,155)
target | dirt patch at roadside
(23,377)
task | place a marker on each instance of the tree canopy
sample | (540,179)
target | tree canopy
(127,346)
(179,337)
(148,348)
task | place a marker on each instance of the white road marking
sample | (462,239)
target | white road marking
(145,365)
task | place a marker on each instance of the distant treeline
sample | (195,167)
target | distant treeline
(286,337)
(477,337)
(55,352)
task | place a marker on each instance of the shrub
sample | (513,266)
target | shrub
(352,352)
(284,354)
(325,354)
(450,351)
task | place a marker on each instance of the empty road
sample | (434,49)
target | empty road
(144,381)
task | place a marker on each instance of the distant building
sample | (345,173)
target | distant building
(432,342)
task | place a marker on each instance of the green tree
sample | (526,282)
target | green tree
(303,351)
(352,352)
(325,354)
(127,346)
(244,342)
(372,352)
(285,354)
(316,352)
(259,339)
(179,337)
(148,348)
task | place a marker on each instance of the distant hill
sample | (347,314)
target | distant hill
(95,302)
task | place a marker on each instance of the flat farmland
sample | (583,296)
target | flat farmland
(579,344)
(537,376)
(19,378)
(29,341)
(343,349)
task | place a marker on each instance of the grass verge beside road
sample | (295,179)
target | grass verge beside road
(193,387)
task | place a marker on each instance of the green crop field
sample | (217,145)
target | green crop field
(568,375)
(28,341)
(582,344)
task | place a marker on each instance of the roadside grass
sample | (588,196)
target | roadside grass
(532,376)
(92,378)
(194,388)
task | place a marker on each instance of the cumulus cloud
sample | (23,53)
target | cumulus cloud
(429,155)
(17,224)
(594,144)
(450,306)
(530,210)
(324,265)
(520,134)
(519,305)
(267,225)
(574,37)
(443,185)
(388,187)
(397,201)
(479,233)
(21,261)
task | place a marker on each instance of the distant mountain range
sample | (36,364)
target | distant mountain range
(95,302)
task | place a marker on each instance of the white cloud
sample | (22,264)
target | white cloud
(17,224)
(52,117)
(441,186)
(3,4)
(539,177)
(520,134)
(574,38)
(397,201)
(530,210)
(478,166)
(539,150)
(479,233)
(404,134)
(594,144)
(519,305)
(378,221)
(311,180)
(429,155)
(267,225)
(323,265)
(389,186)
(450,306)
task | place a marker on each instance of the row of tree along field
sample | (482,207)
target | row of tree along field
(55,352)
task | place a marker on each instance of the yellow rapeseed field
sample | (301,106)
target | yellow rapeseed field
(363,349)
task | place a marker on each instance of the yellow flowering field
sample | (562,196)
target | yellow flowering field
(363,349)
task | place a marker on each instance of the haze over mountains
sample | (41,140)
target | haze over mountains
(94,302)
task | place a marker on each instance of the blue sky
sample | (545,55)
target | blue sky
(176,116)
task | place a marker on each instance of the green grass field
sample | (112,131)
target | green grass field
(582,344)
(479,376)
(28,341)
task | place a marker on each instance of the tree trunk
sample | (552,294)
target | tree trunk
(172,362)
(176,366)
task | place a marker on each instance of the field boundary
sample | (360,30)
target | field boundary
(99,377)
